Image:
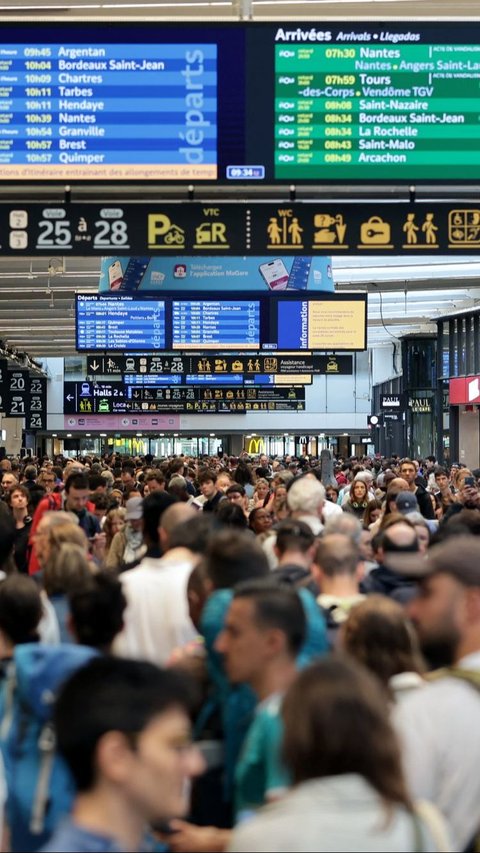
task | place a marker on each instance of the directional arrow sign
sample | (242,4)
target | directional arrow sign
(69,397)
(94,365)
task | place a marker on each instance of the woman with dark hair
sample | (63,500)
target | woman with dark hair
(357,500)
(389,505)
(244,476)
(260,521)
(379,635)
(372,513)
(231,515)
(20,613)
(348,789)
(19,506)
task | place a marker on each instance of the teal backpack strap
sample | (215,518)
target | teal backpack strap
(46,746)
(417,833)
(9,707)
(471,676)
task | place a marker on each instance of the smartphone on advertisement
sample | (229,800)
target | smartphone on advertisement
(136,269)
(115,275)
(275,274)
(298,278)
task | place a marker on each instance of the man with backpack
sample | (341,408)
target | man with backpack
(337,568)
(123,729)
(75,499)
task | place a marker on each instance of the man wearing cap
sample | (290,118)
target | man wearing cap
(439,722)
(406,503)
(408,472)
(127,544)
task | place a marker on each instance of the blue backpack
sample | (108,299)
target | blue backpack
(40,787)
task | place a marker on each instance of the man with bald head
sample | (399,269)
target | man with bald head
(337,568)
(157,620)
(176,514)
(398,539)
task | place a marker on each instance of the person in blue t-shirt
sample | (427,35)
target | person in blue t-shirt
(264,630)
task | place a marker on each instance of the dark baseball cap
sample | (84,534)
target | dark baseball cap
(406,502)
(458,556)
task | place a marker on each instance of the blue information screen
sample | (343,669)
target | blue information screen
(244,322)
(229,324)
(114,110)
(120,323)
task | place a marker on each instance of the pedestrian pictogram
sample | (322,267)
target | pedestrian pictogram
(422,236)
(285,231)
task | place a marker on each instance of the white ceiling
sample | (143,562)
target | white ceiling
(257,9)
(37,310)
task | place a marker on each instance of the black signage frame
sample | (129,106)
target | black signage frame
(246,99)
(17,393)
(272,331)
(218,364)
(117,398)
(326,228)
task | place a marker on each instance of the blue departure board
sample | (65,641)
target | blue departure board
(124,111)
(120,324)
(212,324)
(244,322)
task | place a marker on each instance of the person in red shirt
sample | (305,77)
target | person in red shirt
(73,499)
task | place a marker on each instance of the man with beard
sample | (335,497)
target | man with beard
(438,723)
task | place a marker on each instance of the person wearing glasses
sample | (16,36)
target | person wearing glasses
(46,479)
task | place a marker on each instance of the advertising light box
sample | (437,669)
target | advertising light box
(163,102)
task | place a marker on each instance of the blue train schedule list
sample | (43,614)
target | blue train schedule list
(105,324)
(214,324)
(110,111)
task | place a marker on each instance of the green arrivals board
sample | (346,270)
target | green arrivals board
(377,111)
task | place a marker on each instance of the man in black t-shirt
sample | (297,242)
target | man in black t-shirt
(208,486)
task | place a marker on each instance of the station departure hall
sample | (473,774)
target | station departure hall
(190,246)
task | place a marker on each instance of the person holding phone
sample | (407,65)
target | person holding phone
(469,495)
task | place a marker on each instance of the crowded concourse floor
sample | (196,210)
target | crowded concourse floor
(239,654)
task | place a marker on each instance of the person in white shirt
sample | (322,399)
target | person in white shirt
(348,790)
(306,499)
(157,620)
(439,725)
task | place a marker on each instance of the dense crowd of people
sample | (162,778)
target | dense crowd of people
(239,654)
